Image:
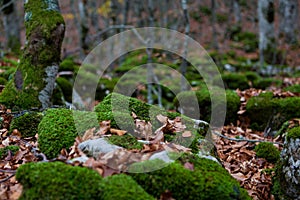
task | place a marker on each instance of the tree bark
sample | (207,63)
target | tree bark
(266,30)
(34,80)
(11,26)
(288,27)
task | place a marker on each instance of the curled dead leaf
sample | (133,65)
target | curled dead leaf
(117,132)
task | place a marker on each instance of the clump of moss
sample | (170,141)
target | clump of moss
(66,88)
(67,65)
(27,124)
(235,80)
(126,141)
(268,151)
(205,107)
(122,187)
(3,81)
(56,131)
(56,180)
(293,133)
(293,88)
(208,181)
(4,151)
(252,76)
(264,83)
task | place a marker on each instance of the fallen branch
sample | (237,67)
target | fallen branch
(7,171)
(242,139)
(7,178)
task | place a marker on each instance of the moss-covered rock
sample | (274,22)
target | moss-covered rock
(286,182)
(264,83)
(122,187)
(56,131)
(205,107)
(67,65)
(27,124)
(126,141)
(56,180)
(293,88)
(207,181)
(266,110)
(4,151)
(268,151)
(234,81)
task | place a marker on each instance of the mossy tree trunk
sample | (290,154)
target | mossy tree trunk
(34,80)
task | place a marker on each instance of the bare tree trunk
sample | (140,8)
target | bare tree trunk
(149,53)
(213,24)
(266,30)
(84,26)
(288,10)
(34,80)
(185,45)
(11,26)
(237,12)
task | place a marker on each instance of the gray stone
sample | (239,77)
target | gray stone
(97,146)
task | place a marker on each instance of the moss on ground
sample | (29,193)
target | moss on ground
(266,110)
(4,151)
(27,124)
(234,81)
(205,107)
(56,180)
(268,151)
(293,133)
(56,131)
(126,141)
(208,181)
(293,88)
(122,187)
(3,81)
(264,83)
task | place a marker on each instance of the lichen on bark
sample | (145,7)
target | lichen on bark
(34,81)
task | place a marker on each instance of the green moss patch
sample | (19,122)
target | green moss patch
(27,124)
(4,151)
(208,181)
(294,88)
(126,141)
(66,88)
(268,151)
(122,187)
(293,133)
(264,109)
(56,131)
(56,180)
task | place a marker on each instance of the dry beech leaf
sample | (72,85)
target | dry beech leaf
(16,132)
(89,134)
(117,132)
(162,119)
(104,127)
(187,134)
(189,166)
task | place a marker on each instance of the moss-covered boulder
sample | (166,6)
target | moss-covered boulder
(122,187)
(263,83)
(293,88)
(27,123)
(208,180)
(234,81)
(268,151)
(122,107)
(265,110)
(126,141)
(205,103)
(66,88)
(56,180)
(287,180)
(58,130)
(4,151)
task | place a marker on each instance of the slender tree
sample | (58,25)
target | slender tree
(11,25)
(266,30)
(34,80)
(288,27)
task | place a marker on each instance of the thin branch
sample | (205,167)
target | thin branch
(7,171)
(7,178)
(242,139)
(6,5)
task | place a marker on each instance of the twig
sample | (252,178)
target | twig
(7,171)
(5,179)
(6,5)
(242,139)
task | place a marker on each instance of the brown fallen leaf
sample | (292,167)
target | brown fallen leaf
(187,134)
(89,134)
(117,132)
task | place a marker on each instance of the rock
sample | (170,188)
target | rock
(163,155)
(97,146)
